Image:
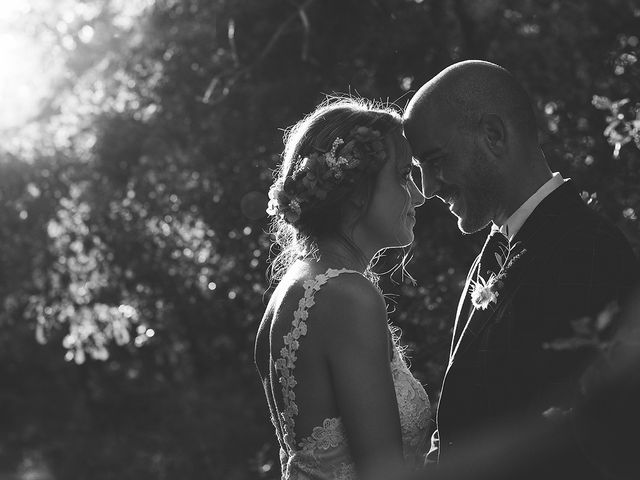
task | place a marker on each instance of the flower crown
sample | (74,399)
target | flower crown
(320,173)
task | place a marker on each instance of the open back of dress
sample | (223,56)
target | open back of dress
(325,453)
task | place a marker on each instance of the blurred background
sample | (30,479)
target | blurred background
(137,140)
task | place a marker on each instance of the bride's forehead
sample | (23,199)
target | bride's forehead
(398,149)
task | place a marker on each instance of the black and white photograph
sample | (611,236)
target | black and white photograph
(319,240)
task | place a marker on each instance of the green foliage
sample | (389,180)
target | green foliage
(133,233)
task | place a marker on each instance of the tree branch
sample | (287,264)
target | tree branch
(234,75)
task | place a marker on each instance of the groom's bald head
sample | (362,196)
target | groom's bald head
(464,91)
(473,129)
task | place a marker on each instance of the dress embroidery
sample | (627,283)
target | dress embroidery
(330,435)
(411,403)
(325,453)
(286,364)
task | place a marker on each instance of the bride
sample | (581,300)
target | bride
(342,400)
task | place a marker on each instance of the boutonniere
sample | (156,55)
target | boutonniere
(486,291)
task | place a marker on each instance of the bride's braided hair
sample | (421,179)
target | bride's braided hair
(331,154)
(321,174)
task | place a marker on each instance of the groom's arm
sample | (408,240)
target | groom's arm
(610,397)
(590,267)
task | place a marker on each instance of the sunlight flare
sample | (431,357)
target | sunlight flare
(25,76)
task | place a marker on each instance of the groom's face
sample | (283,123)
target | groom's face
(455,168)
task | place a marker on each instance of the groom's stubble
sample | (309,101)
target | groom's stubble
(483,192)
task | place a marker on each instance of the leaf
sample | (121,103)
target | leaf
(601,102)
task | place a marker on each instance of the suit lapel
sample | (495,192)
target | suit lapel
(464,307)
(479,319)
(466,312)
(535,234)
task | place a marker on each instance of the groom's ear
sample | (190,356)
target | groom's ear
(494,133)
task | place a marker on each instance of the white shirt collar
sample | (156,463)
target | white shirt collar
(517,219)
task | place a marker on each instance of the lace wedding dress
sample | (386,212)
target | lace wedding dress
(325,453)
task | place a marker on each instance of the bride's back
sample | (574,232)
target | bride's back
(314,392)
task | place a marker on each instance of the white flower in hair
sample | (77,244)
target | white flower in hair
(330,157)
(295,206)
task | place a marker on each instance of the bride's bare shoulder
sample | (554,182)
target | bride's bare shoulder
(353,310)
(351,290)
(348,295)
(344,291)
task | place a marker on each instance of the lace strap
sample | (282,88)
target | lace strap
(286,364)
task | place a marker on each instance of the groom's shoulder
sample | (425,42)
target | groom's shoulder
(587,226)
(577,237)
(589,243)
(581,223)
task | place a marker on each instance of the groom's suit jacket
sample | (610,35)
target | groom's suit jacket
(507,363)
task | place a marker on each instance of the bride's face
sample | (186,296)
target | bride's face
(390,216)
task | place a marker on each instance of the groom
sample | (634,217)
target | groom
(548,262)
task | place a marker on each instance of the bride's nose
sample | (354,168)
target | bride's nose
(417,196)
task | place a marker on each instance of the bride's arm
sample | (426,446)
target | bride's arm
(358,354)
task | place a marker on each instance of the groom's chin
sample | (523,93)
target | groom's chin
(469,220)
(468,226)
